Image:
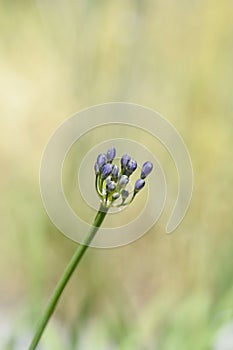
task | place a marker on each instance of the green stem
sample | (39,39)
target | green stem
(97,186)
(66,276)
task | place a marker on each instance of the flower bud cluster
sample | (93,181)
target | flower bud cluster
(111,181)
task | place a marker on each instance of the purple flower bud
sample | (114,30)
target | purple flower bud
(139,185)
(111,153)
(125,160)
(101,160)
(131,167)
(106,171)
(124,194)
(115,196)
(146,169)
(110,186)
(123,181)
(115,172)
(97,169)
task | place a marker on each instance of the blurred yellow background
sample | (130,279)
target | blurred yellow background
(58,57)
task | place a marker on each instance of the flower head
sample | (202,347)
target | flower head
(112,182)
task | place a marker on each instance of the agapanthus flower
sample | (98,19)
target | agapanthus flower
(112,182)
(130,167)
(125,160)
(146,169)
(123,181)
(124,194)
(111,153)
(115,172)
(139,184)
(110,186)
(106,170)
(101,160)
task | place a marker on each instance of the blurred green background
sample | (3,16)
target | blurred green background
(161,292)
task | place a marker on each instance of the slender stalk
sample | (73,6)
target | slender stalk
(66,276)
